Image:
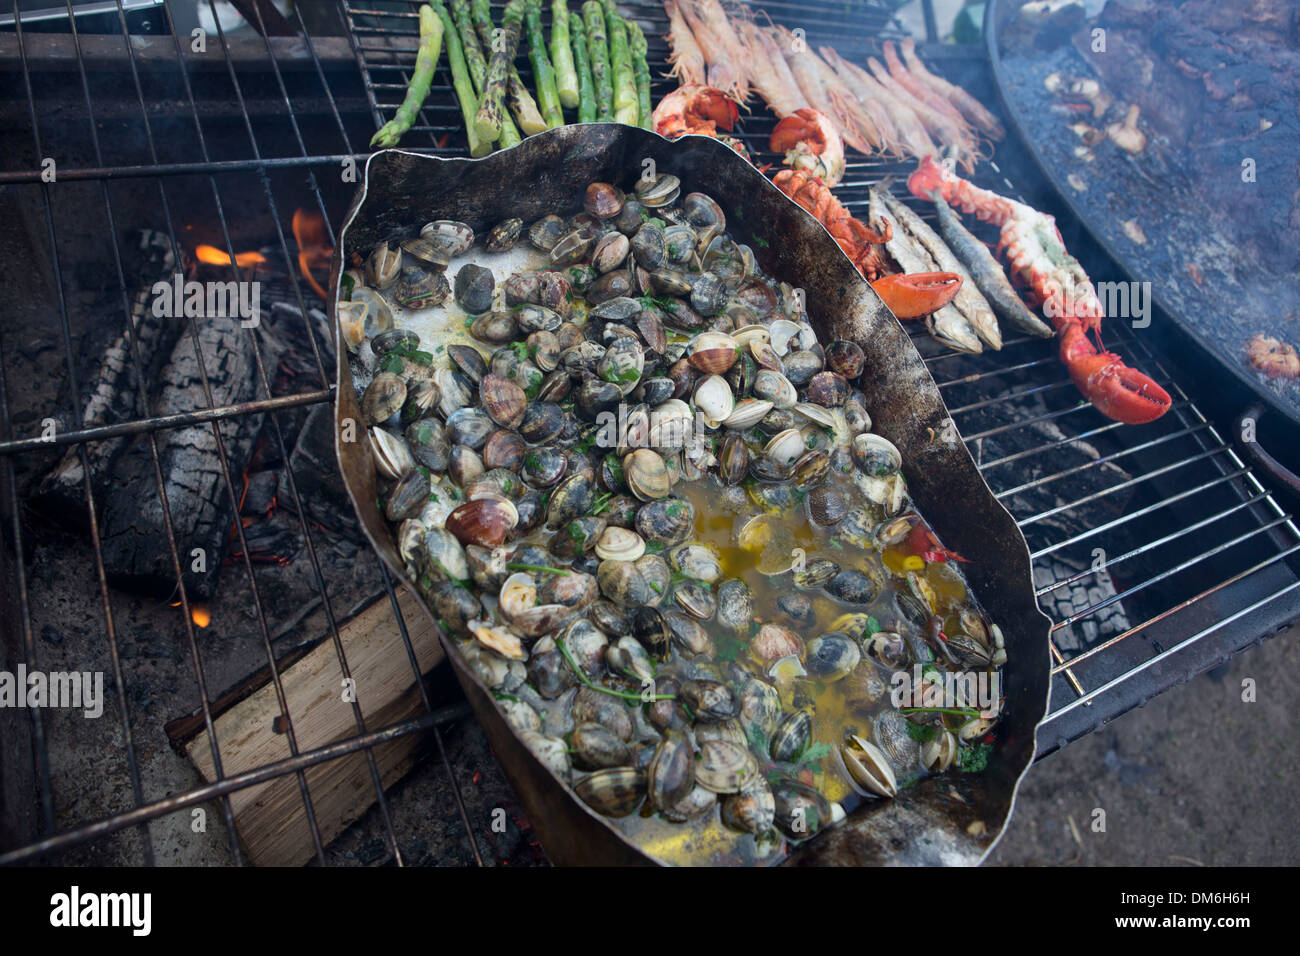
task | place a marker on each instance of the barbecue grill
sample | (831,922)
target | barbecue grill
(1158,552)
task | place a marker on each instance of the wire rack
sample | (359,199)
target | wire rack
(1193,552)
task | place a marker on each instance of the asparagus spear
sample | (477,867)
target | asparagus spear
(594,18)
(426,58)
(517,95)
(464,86)
(638,47)
(586,88)
(620,65)
(566,77)
(548,98)
(478,69)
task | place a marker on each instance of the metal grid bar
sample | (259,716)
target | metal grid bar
(1185,419)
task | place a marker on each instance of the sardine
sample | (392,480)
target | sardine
(968,300)
(947,325)
(987,273)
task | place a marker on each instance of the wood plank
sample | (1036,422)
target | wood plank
(271,818)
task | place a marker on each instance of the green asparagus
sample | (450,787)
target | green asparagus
(548,98)
(620,65)
(517,95)
(426,58)
(638,47)
(478,69)
(586,89)
(566,77)
(460,79)
(598,48)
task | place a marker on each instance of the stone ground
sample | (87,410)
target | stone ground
(1197,777)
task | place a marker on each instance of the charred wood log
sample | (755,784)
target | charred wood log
(136,549)
(111,380)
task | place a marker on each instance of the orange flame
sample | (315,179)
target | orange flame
(314,250)
(200,615)
(215,257)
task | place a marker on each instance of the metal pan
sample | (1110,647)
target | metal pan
(1187,334)
(943,820)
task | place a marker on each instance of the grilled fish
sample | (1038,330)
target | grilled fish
(987,273)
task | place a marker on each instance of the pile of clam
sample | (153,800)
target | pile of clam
(544,474)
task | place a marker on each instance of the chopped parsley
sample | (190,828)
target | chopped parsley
(976,758)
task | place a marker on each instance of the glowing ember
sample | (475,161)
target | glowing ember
(314,250)
(200,615)
(215,257)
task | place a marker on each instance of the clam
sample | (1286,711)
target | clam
(671,774)
(781,332)
(708,294)
(696,803)
(495,327)
(448,237)
(773,642)
(659,190)
(383,398)
(613,792)
(816,574)
(786,447)
(710,700)
(474,287)
(801,812)
(546,232)
(484,521)
(760,707)
(938,753)
(590,706)
(752,810)
(503,400)
(855,587)
(712,352)
(626,656)
(619,544)
(791,737)
(696,600)
(596,747)
(421,288)
(504,450)
(845,359)
(646,475)
(541,422)
(713,400)
(887,649)
(875,456)
(603,200)
(469,427)
(869,767)
(893,735)
(651,629)
(801,366)
(832,657)
(383,265)
(733,460)
(747,413)
(548,671)
(498,639)
(503,236)
(623,584)
(689,634)
(409,495)
(828,389)
(775,388)
(667,521)
(464,465)
(572,499)
(392,456)
(726,767)
(552,752)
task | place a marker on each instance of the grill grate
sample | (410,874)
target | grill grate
(1194,552)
